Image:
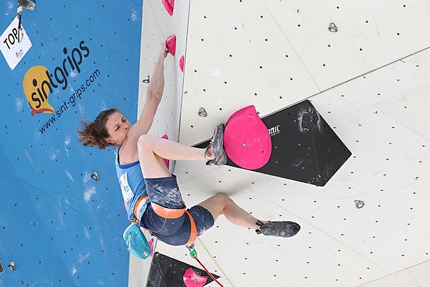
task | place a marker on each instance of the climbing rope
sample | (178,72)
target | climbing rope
(193,254)
(216,263)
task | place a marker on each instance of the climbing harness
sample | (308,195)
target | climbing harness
(193,254)
(170,213)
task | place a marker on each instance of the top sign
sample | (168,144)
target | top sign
(12,49)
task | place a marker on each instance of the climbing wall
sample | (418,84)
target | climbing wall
(262,53)
(365,67)
(61,224)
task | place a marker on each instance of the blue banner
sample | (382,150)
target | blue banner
(84,58)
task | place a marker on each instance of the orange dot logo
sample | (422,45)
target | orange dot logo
(37,88)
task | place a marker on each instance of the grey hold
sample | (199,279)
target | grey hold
(332,27)
(95,176)
(202,112)
(359,204)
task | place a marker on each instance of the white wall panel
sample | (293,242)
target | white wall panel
(410,108)
(237,57)
(248,259)
(376,87)
(370,34)
(414,276)
(274,53)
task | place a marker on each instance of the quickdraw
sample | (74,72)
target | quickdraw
(193,254)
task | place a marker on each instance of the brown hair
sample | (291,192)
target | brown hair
(95,133)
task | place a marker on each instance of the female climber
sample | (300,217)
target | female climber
(151,193)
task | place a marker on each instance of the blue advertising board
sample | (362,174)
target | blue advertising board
(57,224)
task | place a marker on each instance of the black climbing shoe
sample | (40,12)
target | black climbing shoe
(217,147)
(278,228)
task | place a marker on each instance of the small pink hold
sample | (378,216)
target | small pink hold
(152,246)
(169,5)
(166,161)
(171,44)
(181,63)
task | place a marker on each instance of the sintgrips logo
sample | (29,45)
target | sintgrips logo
(39,82)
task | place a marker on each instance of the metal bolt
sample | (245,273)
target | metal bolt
(332,27)
(11,266)
(202,112)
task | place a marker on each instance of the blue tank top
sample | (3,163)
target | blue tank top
(132,185)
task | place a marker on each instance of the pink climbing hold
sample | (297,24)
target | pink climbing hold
(152,246)
(171,44)
(247,140)
(181,63)
(169,5)
(166,161)
(191,279)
